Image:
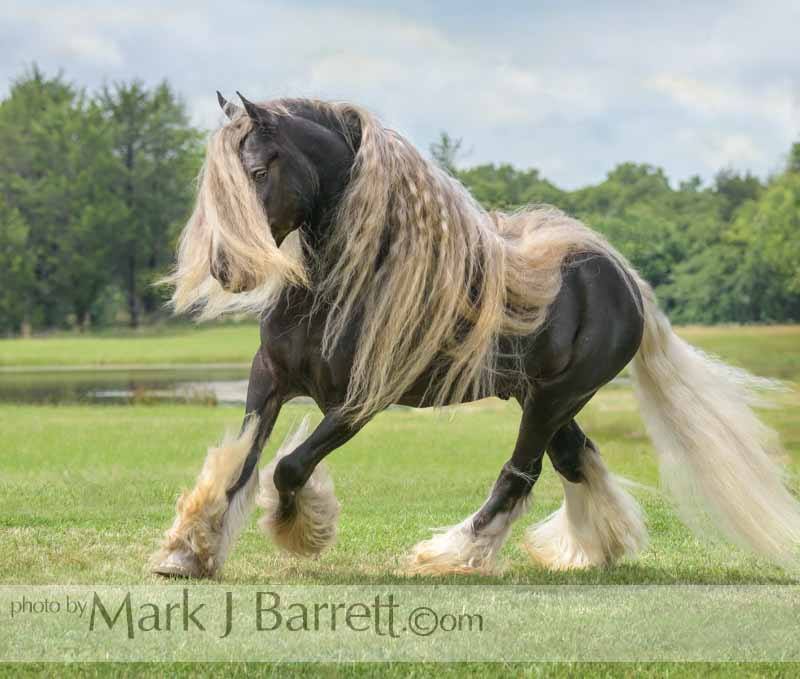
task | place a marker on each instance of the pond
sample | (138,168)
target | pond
(210,385)
(199,384)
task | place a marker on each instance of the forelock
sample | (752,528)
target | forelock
(250,151)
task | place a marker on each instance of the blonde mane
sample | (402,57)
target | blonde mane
(228,218)
(435,279)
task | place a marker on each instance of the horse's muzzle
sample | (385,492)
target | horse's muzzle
(221,272)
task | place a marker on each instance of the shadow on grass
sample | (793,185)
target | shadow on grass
(299,573)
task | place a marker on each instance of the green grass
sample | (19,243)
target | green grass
(86,491)
(172,345)
(771,351)
(80,482)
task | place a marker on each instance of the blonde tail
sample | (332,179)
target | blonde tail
(716,456)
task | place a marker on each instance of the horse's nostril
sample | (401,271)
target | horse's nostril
(219,270)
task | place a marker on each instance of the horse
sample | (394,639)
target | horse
(379,280)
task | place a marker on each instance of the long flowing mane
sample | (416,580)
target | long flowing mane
(433,278)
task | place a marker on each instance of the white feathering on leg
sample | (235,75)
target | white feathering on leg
(598,523)
(460,549)
(198,541)
(311,527)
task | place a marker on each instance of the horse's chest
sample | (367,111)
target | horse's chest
(295,347)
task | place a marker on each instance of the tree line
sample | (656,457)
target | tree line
(95,187)
(93,190)
(727,252)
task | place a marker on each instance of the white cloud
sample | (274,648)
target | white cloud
(86,46)
(716,149)
(775,104)
(572,91)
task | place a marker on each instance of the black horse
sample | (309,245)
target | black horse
(300,157)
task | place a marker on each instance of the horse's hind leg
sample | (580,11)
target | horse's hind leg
(598,523)
(473,545)
(211,515)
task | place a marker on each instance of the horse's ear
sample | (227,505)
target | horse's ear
(230,109)
(259,115)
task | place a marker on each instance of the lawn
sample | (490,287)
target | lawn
(164,346)
(771,351)
(86,491)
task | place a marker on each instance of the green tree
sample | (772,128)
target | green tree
(17,264)
(645,235)
(93,192)
(703,288)
(744,271)
(735,190)
(794,159)
(158,154)
(54,171)
(446,152)
(769,233)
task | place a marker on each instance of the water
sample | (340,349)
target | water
(195,385)
(201,384)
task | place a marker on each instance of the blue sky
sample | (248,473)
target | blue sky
(571,88)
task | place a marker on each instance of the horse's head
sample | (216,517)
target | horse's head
(298,164)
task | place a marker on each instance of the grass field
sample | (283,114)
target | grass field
(170,345)
(772,351)
(86,491)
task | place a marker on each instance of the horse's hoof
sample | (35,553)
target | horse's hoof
(178,564)
(454,551)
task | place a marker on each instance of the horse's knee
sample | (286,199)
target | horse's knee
(290,475)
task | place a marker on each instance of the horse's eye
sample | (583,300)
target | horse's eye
(261,173)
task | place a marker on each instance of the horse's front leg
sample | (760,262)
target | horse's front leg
(211,515)
(297,492)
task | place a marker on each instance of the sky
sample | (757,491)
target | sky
(569,88)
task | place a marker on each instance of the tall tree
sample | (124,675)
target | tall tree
(93,192)
(158,154)
(501,187)
(794,158)
(446,152)
(17,266)
(769,232)
(735,189)
(54,172)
